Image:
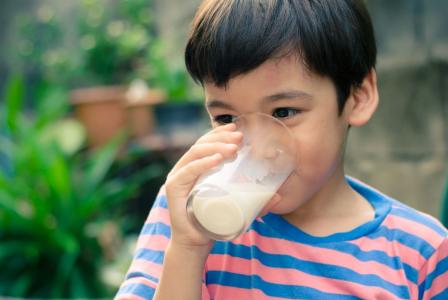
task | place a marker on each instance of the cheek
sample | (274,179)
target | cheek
(319,141)
(320,151)
(294,192)
(318,148)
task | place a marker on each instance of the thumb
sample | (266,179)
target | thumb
(273,202)
(184,179)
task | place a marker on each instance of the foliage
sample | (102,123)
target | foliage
(170,75)
(95,42)
(55,201)
(100,42)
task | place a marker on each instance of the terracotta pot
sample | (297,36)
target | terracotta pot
(101,110)
(104,111)
(140,115)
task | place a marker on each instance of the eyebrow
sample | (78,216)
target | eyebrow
(292,94)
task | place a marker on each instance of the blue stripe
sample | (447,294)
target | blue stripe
(441,268)
(421,290)
(381,257)
(313,268)
(411,273)
(412,215)
(160,201)
(404,238)
(441,296)
(137,289)
(150,255)
(141,274)
(270,289)
(393,262)
(158,228)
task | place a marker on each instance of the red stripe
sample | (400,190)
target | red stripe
(205,294)
(159,214)
(234,293)
(414,228)
(295,277)
(153,242)
(146,267)
(438,285)
(321,255)
(431,264)
(406,254)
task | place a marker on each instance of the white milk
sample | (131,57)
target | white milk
(230,214)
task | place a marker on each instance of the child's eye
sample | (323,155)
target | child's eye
(224,119)
(284,112)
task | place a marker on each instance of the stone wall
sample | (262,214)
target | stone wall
(404,150)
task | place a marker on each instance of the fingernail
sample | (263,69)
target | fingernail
(216,156)
(231,146)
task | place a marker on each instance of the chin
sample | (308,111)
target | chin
(284,207)
(293,195)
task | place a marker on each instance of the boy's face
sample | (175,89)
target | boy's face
(304,102)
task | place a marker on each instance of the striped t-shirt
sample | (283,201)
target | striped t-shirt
(400,254)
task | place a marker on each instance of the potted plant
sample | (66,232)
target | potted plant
(102,55)
(183,112)
(57,204)
(115,46)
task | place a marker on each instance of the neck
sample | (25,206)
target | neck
(335,208)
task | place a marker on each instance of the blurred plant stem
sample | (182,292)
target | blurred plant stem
(444,213)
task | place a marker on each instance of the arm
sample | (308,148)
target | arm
(433,283)
(182,268)
(169,262)
(155,258)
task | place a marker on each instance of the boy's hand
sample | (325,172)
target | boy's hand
(208,152)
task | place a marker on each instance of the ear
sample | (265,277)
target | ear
(363,101)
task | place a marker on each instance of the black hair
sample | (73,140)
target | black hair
(333,38)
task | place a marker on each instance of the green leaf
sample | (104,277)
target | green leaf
(52,104)
(78,285)
(58,176)
(69,250)
(11,248)
(21,285)
(109,194)
(14,101)
(9,209)
(6,147)
(100,163)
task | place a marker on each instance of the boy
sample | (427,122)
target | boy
(311,64)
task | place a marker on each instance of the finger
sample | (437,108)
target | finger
(182,181)
(222,136)
(273,202)
(199,151)
(226,127)
(202,150)
(222,128)
(219,137)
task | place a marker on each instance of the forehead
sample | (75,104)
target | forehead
(273,76)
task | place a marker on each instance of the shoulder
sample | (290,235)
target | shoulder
(403,225)
(402,216)
(415,229)
(420,223)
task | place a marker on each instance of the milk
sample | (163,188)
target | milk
(227,198)
(228,215)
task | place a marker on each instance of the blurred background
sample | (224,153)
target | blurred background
(96,106)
